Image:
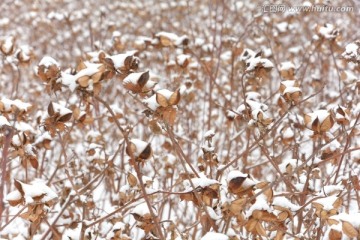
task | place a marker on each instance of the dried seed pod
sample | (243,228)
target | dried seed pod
(167,98)
(239,182)
(124,62)
(48,69)
(139,149)
(319,121)
(342,115)
(7,45)
(287,70)
(349,229)
(132,180)
(135,82)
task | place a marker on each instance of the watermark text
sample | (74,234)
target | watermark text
(281,8)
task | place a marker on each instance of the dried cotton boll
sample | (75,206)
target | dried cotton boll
(7,45)
(139,149)
(319,121)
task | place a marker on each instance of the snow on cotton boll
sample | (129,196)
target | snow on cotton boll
(206,190)
(136,82)
(139,150)
(239,183)
(36,196)
(167,39)
(352,52)
(144,218)
(58,115)
(7,45)
(14,106)
(290,91)
(48,71)
(124,62)
(163,105)
(287,70)
(254,63)
(319,121)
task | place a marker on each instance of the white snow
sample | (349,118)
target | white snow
(260,204)
(253,96)
(25,52)
(133,78)
(207,148)
(165,92)
(48,61)
(282,27)
(284,202)
(247,54)
(289,133)
(71,80)
(37,188)
(292,90)
(320,114)
(332,146)
(254,105)
(330,189)
(119,59)
(180,59)
(91,69)
(68,80)
(214,236)
(8,44)
(60,109)
(29,150)
(209,134)
(142,209)
(285,66)
(199,182)
(172,36)
(289,83)
(352,51)
(22,106)
(212,213)
(236,174)
(327,202)
(4,121)
(13,196)
(151,102)
(226,56)
(139,145)
(254,62)
(199,42)
(23,127)
(44,136)
(286,162)
(327,31)
(353,218)
(351,48)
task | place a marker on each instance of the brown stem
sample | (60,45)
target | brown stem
(8,133)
